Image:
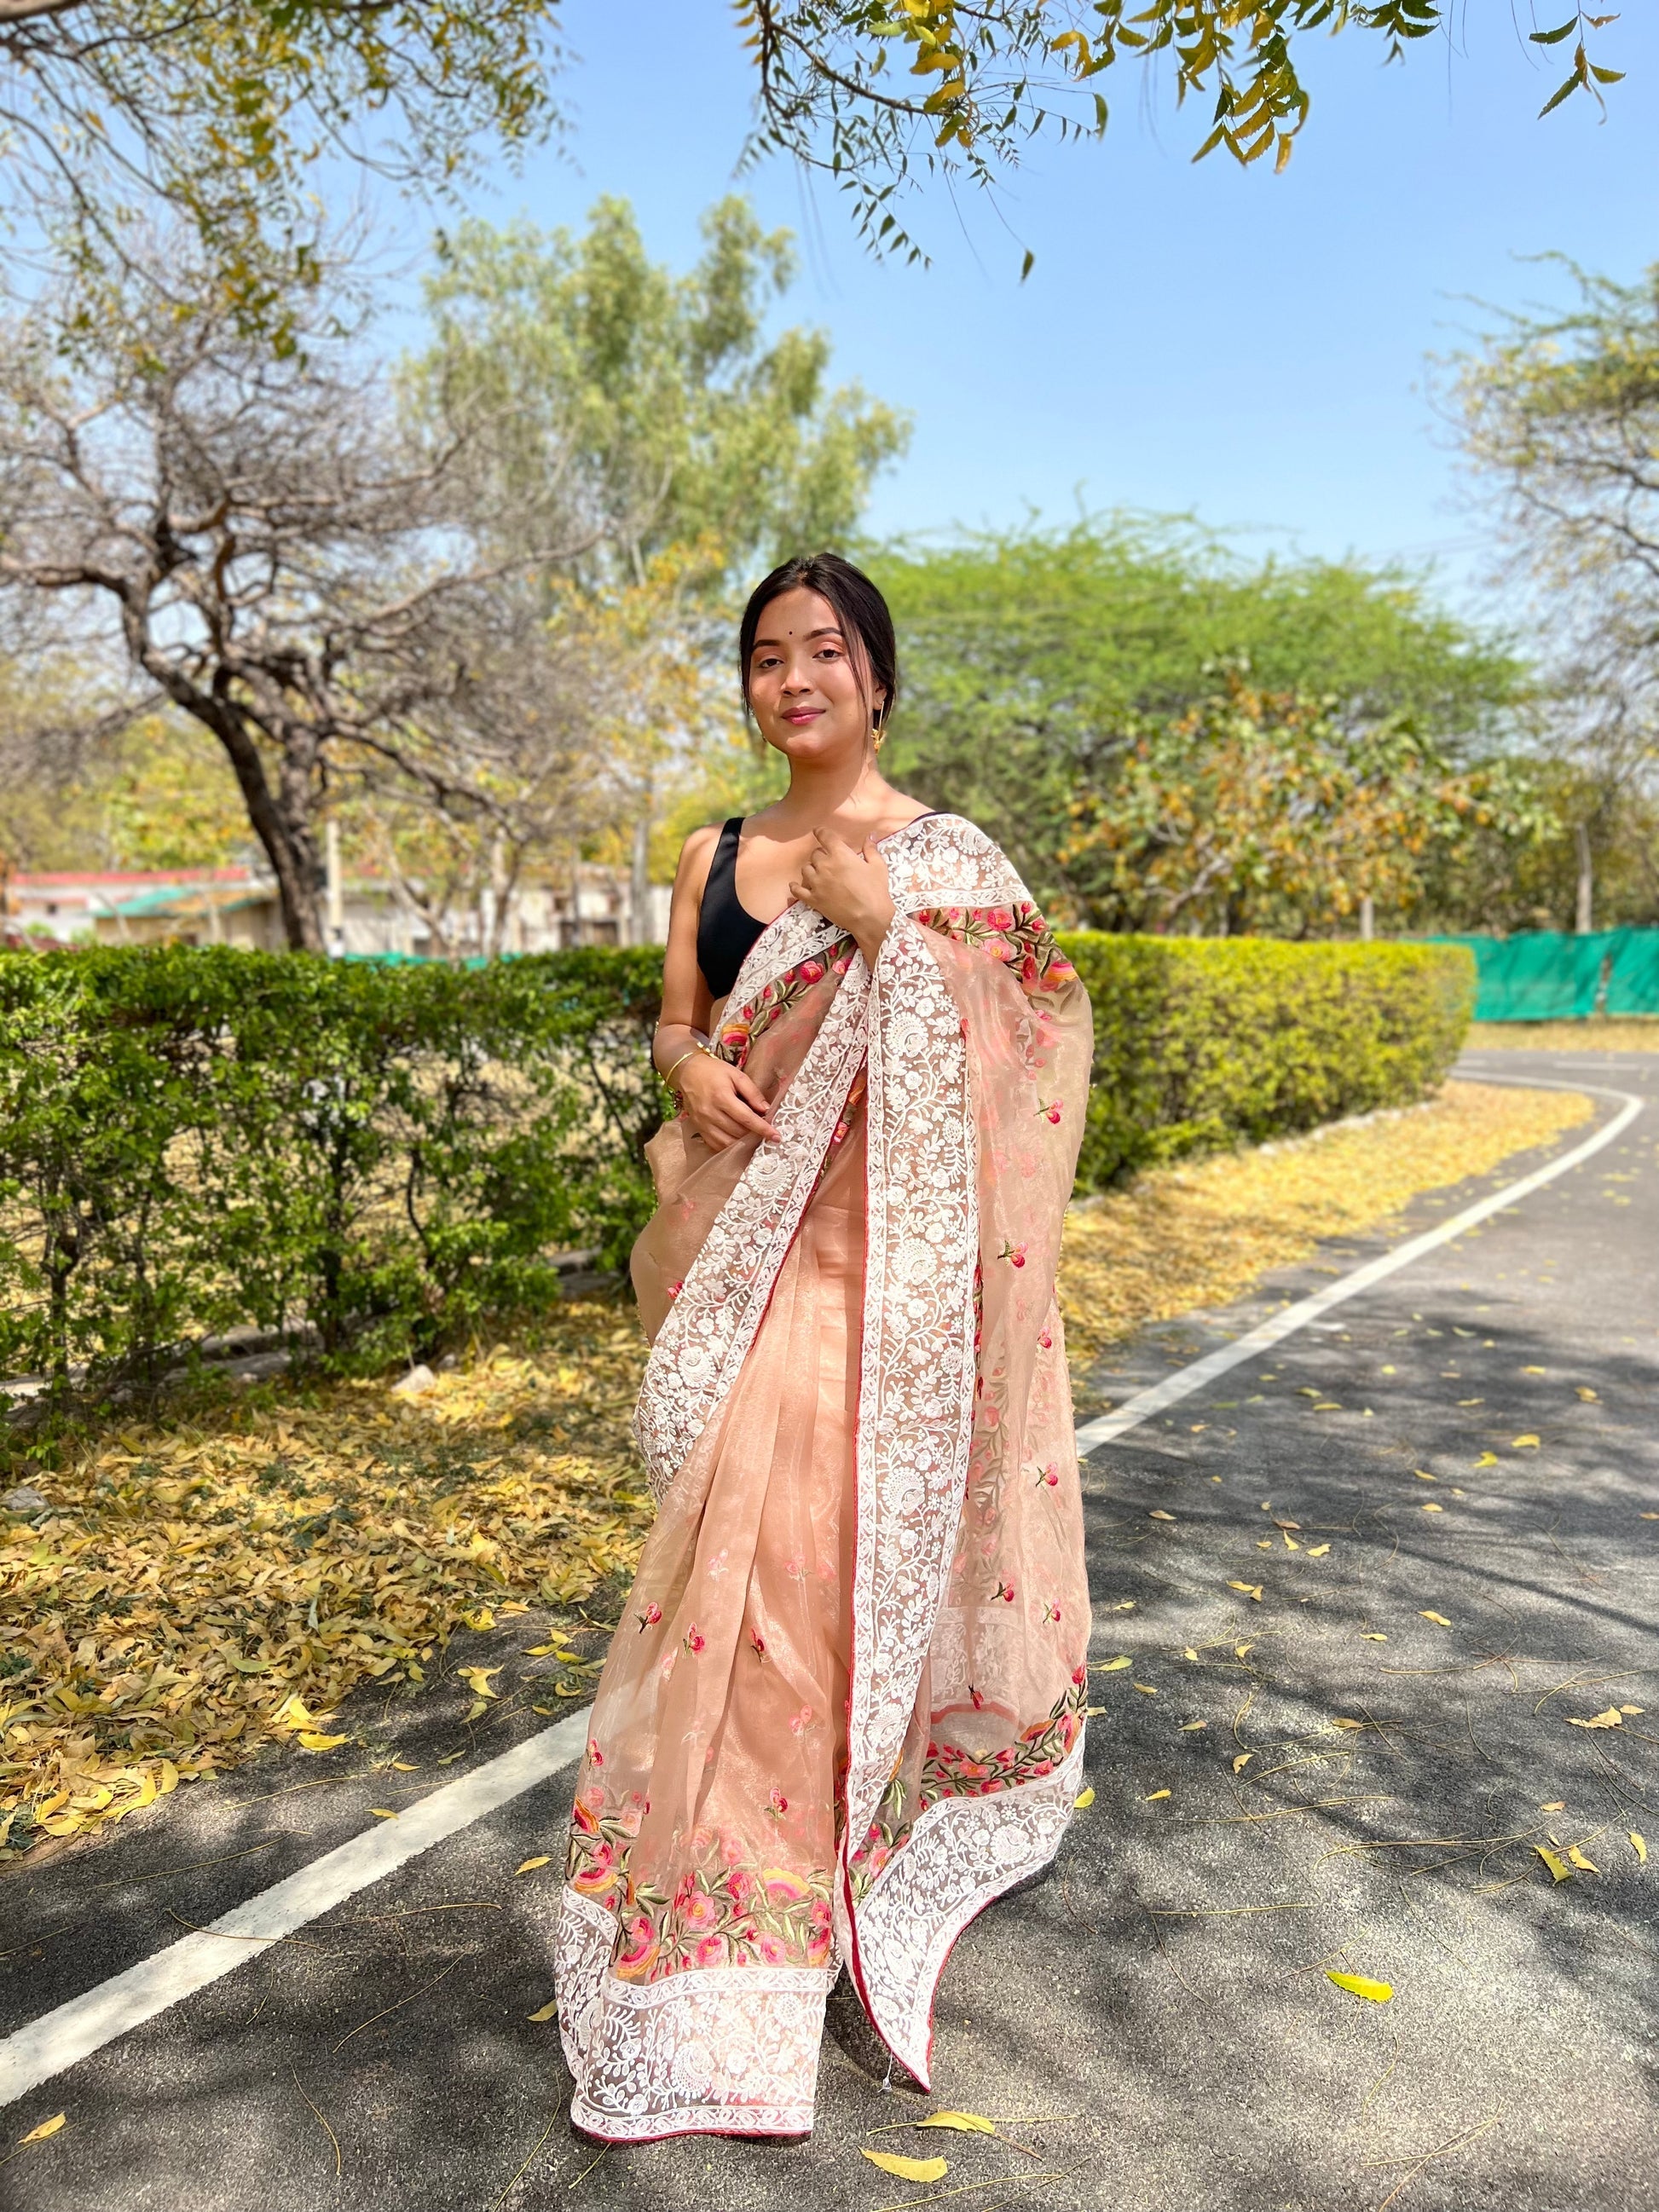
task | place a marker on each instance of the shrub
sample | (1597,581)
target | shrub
(1204,1043)
(191,1140)
(194,1140)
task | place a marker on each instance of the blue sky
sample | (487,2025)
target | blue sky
(1247,347)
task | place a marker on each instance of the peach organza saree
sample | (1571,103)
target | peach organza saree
(844,1708)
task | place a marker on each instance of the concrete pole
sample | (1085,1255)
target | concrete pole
(1367,918)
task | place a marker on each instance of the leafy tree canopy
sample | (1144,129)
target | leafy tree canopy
(652,405)
(1034,662)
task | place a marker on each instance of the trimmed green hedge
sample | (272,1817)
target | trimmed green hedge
(194,1140)
(1205,1043)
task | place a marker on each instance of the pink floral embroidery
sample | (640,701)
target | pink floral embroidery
(649,1618)
(694,1639)
(1005,1592)
(758,1644)
(1015,1253)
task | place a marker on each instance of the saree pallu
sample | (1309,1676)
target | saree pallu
(843,1709)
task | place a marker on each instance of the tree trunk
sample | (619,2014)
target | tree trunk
(1584,917)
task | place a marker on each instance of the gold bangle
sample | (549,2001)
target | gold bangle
(690,1053)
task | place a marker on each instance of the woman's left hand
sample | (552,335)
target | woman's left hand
(847,885)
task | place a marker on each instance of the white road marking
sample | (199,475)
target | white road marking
(1186,1380)
(75,2030)
(83,2025)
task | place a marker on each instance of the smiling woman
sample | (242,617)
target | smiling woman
(849,1712)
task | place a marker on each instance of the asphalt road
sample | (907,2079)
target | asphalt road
(1350,1785)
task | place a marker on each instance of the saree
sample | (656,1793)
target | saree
(843,1710)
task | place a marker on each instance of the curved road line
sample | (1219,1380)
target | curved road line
(1185,1380)
(59,2039)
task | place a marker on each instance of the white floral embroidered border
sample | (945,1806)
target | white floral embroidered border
(962,1853)
(916,1392)
(684,2054)
(938,860)
(702,1343)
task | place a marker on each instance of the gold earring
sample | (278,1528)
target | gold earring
(877,734)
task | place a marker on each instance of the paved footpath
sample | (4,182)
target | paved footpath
(1351,1770)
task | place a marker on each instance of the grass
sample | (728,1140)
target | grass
(223,1574)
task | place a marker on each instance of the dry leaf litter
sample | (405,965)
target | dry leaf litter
(204,1584)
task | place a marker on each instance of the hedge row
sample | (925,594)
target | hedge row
(194,1141)
(1201,1043)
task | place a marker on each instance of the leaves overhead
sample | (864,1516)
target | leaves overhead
(883,95)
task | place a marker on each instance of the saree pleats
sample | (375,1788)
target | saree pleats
(843,1708)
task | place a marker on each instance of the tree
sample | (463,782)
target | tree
(881,94)
(1559,416)
(132,106)
(1257,812)
(1033,660)
(267,551)
(656,399)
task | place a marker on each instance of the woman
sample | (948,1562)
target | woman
(844,1707)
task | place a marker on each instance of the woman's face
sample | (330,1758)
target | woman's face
(804,685)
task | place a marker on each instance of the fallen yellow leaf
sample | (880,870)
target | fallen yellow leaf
(450,1757)
(530,1865)
(477,1679)
(547,2012)
(1523,1444)
(1432,1505)
(1638,1844)
(1558,1868)
(967,2124)
(1612,1719)
(1240,1650)
(477,1707)
(1317,1551)
(1189,1653)
(1145,1689)
(1632,1709)
(1153,1796)
(1080,1803)
(1438,1619)
(1555,1805)
(1242,1761)
(405,1766)
(1535,1370)
(1588,1395)
(381,1813)
(1361,1985)
(1423,1474)
(1186,1727)
(1113,1666)
(1158,1514)
(1579,1860)
(1373,1636)
(1250,1590)
(1487,1459)
(910,2169)
(310,1741)
(46,2128)
(1341,1721)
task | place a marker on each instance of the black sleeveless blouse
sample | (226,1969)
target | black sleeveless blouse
(726,928)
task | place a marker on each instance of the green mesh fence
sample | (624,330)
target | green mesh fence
(1547,976)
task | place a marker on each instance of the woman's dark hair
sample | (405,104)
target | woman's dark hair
(860,609)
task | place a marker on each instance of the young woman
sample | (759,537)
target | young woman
(844,1708)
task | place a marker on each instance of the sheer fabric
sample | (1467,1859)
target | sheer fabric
(844,1708)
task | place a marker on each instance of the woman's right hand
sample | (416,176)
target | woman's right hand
(724,1104)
